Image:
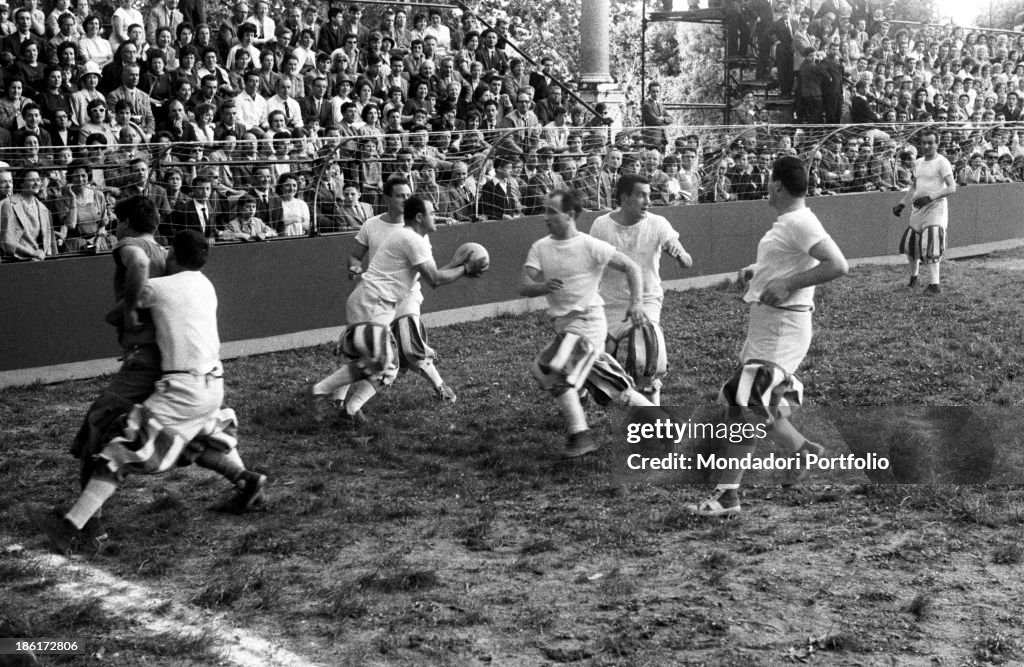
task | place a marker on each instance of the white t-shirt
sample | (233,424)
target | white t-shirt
(372,235)
(783,252)
(930,178)
(391,275)
(184,310)
(642,243)
(579,263)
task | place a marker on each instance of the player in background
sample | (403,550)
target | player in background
(792,257)
(389,282)
(566,268)
(642,237)
(924,241)
(182,421)
(410,334)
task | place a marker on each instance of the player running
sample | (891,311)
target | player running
(642,237)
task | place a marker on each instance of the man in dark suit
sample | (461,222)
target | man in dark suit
(832,90)
(332,35)
(227,123)
(782,34)
(654,118)
(315,107)
(860,107)
(545,109)
(268,204)
(23,33)
(497,197)
(199,213)
(810,107)
(490,55)
(540,81)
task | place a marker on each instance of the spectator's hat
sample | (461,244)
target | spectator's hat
(91,67)
(4,165)
(345,78)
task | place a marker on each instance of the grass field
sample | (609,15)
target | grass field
(454,535)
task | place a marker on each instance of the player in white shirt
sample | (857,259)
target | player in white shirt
(182,422)
(396,266)
(566,268)
(642,237)
(408,329)
(924,241)
(793,256)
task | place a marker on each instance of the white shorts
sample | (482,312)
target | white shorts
(589,324)
(777,335)
(365,306)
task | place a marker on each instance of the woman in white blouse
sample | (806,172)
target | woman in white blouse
(124,17)
(93,47)
(294,211)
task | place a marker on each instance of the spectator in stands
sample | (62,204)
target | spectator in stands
(498,200)
(268,203)
(295,219)
(26,228)
(84,213)
(542,183)
(716,186)
(198,213)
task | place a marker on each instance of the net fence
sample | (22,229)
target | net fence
(285,185)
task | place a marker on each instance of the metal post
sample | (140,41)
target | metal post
(643,50)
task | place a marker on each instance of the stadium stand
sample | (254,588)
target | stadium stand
(308,115)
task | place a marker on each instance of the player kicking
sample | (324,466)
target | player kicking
(566,267)
(392,277)
(642,237)
(793,256)
(411,336)
(182,422)
(924,241)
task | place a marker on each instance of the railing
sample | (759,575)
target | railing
(324,170)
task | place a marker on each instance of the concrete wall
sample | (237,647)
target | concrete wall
(291,292)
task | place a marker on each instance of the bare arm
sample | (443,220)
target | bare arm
(532,283)
(832,265)
(635,312)
(136,265)
(675,249)
(355,260)
(436,277)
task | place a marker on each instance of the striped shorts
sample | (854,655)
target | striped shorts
(373,349)
(767,389)
(572,361)
(927,245)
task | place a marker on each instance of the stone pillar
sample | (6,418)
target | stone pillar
(596,84)
(595,26)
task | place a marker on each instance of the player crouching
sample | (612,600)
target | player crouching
(566,267)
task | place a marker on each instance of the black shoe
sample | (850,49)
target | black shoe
(62,535)
(579,444)
(933,290)
(353,420)
(95,531)
(913,281)
(252,484)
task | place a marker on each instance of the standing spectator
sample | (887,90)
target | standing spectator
(266,29)
(654,118)
(124,17)
(783,31)
(810,104)
(832,88)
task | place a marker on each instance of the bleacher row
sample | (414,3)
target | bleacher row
(234,192)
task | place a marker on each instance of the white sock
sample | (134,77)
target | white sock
(347,374)
(572,410)
(93,496)
(727,487)
(427,369)
(932,272)
(915,266)
(633,399)
(360,394)
(340,393)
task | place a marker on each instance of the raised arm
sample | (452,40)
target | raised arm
(436,277)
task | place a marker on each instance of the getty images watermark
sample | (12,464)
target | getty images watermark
(678,433)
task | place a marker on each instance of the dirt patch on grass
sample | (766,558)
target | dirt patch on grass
(448,535)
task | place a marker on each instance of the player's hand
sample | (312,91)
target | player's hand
(131,320)
(553,285)
(775,292)
(922,201)
(636,313)
(744,276)
(898,209)
(475,267)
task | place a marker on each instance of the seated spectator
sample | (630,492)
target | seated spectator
(12,104)
(32,125)
(26,228)
(84,213)
(974,173)
(542,183)
(268,204)
(246,226)
(198,214)
(286,104)
(498,196)
(459,200)
(173,181)
(717,187)
(294,211)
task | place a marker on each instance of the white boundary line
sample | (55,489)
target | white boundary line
(78,580)
(243,348)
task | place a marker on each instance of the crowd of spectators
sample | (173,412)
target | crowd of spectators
(260,127)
